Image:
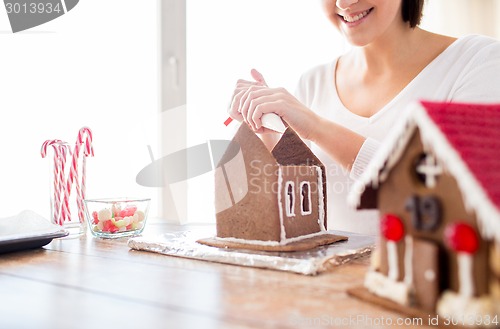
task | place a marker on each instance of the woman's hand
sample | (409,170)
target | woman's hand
(257,100)
(241,87)
(251,100)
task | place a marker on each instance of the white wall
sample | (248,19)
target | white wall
(462,17)
(96,66)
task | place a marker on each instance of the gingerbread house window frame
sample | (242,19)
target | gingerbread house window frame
(308,199)
(290,199)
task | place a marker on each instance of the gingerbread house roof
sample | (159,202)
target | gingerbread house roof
(465,140)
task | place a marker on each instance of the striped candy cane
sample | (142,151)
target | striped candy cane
(88,151)
(58,174)
(64,149)
(73,172)
(63,185)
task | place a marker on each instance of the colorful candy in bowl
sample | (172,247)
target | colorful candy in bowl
(115,218)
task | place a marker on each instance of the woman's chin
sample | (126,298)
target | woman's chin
(357,40)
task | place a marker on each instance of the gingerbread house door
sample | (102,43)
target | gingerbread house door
(426,275)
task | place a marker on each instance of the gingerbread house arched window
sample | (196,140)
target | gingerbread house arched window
(289,199)
(305,198)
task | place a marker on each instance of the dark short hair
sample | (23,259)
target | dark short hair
(412,11)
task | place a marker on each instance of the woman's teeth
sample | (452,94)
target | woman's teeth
(355,18)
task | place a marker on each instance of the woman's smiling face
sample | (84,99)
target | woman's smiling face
(364,21)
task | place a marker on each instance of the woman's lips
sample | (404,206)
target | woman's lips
(353,19)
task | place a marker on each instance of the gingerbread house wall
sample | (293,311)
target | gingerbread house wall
(292,151)
(400,185)
(495,266)
(256,216)
(300,223)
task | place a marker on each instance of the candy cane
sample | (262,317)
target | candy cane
(69,182)
(63,149)
(73,173)
(43,153)
(63,185)
(57,174)
(88,151)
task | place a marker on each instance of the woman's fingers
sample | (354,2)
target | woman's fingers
(258,76)
(240,89)
(261,106)
(250,94)
(234,109)
(241,93)
(258,101)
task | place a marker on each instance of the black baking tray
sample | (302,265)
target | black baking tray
(29,242)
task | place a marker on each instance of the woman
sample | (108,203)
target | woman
(346,107)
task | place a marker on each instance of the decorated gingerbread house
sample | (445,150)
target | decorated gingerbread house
(436,183)
(270,200)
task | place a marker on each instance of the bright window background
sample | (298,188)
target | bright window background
(96,66)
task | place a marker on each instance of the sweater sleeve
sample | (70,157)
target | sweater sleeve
(365,154)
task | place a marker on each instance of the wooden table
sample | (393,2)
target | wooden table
(99,283)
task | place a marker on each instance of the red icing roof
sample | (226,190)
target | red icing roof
(474,132)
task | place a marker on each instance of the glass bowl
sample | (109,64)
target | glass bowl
(116,218)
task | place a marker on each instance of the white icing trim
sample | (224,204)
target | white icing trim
(408,261)
(391,150)
(321,200)
(271,243)
(210,154)
(382,286)
(392,259)
(430,169)
(474,196)
(280,204)
(302,212)
(466,311)
(290,199)
(465,279)
(429,275)
(321,207)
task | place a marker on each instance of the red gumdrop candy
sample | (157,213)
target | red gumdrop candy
(94,216)
(461,237)
(128,211)
(392,228)
(131,210)
(108,226)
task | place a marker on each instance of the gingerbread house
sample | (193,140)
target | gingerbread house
(436,183)
(270,200)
